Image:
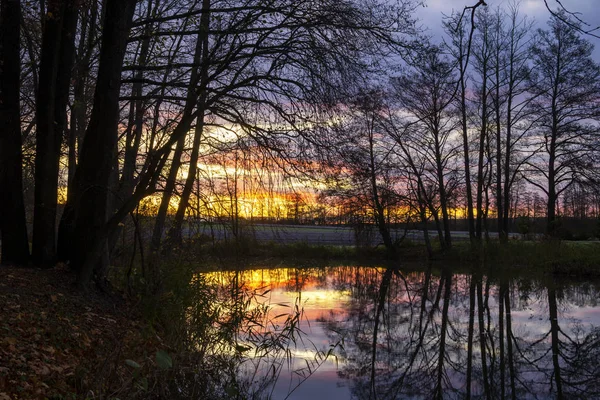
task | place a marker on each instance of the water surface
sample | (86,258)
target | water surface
(393,333)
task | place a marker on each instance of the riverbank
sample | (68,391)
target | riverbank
(572,258)
(577,258)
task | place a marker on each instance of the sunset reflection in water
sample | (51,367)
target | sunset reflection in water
(524,338)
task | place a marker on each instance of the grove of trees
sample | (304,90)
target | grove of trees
(494,114)
(109,103)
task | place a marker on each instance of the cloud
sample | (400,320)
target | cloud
(431,15)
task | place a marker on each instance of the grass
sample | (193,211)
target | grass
(249,248)
(530,257)
(580,258)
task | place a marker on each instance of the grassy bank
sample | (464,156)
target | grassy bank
(531,257)
(559,257)
(250,249)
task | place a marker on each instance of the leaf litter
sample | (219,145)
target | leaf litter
(57,342)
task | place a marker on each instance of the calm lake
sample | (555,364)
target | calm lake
(396,334)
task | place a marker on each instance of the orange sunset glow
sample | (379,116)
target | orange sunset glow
(288,287)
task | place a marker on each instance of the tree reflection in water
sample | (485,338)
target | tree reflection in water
(442,335)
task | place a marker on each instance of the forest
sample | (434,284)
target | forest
(124,121)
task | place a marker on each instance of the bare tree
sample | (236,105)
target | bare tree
(426,95)
(196,78)
(482,65)
(203,56)
(363,165)
(460,49)
(509,98)
(98,149)
(566,84)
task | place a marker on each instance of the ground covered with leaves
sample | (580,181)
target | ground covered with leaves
(56,342)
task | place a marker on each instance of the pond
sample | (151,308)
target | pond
(392,333)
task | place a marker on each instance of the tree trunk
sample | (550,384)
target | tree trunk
(136,116)
(555,341)
(443,197)
(482,139)
(56,62)
(13,228)
(175,231)
(423,216)
(81,73)
(502,234)
(551,228)
(78,126)
(92,177)
(161,216)
(465,136)
(378,208)
(487,190)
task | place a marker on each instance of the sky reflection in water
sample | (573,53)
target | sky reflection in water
(541,338)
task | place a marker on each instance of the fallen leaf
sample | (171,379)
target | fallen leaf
(58,369)
(43,370)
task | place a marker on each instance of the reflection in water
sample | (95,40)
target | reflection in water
(435,334)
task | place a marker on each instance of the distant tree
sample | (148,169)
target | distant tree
(362,167)
(511,40)
(566,83)
(13,228)
(426,94)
